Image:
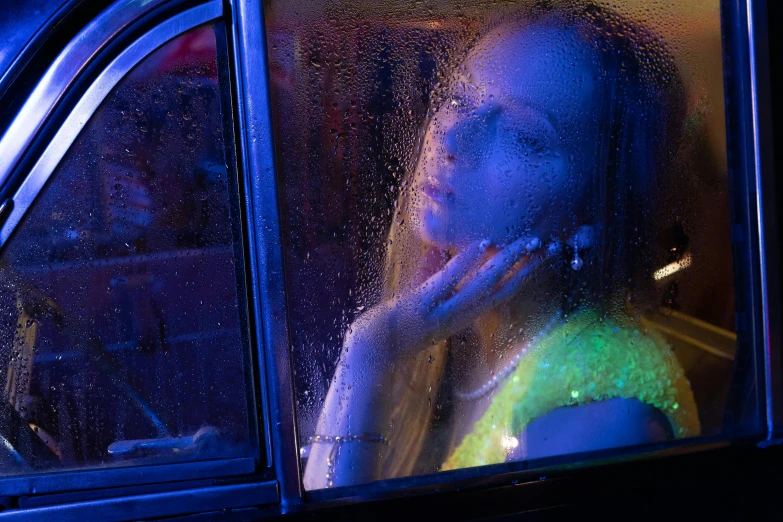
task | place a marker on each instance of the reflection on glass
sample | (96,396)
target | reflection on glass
(506,231)
(123,323)
(17,30)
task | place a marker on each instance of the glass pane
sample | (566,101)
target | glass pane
(124,332)
(506,230)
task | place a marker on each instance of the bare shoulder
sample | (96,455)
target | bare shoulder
(590,427)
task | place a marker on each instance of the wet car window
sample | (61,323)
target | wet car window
(124,331)
(505,230)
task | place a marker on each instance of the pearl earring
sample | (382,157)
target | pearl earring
(576,262)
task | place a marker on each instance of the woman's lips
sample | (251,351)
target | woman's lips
(439,192)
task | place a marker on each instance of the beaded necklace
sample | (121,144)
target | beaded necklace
(507,370)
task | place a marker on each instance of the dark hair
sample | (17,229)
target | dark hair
(635,152)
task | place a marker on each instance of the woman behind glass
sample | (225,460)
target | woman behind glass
(518,253)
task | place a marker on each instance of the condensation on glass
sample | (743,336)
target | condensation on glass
(123,336)
(505,230)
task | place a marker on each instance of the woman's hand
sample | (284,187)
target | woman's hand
(358,401)
(450,300)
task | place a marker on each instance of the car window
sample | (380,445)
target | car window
(503,226)
(124,333)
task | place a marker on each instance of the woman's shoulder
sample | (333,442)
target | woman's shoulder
(610,423)
(595,357)
(588,358)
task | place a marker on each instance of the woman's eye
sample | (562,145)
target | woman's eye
(474,134)
(533,143)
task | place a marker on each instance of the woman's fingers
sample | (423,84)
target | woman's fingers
(439,285)
(493,270)
(456,295)
(516,280)
(473,295)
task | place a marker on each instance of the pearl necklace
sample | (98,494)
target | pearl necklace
(507,370)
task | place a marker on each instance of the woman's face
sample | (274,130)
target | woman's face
(496,155)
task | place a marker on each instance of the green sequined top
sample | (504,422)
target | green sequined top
(588,358)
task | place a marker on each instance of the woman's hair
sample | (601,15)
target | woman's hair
(640,110)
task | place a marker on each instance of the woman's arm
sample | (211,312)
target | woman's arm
(359,398)
(358,402)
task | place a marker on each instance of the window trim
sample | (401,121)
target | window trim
(151,505)
(64,70)
(754,214)
(120,476)
(766,211)
(67,133)
(257,166)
